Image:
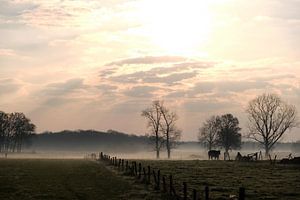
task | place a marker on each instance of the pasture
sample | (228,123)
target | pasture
(29,179)
(261,180)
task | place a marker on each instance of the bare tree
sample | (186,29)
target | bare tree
(208,132)
(168,127)
(154,116)
(161,122)
(269,118)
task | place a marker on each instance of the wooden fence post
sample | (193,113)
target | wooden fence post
(145,176)
(132,168)
(171,184)
(242,193)
(206,193)
(184,191)
(164,184)
(195,195)
(122,164)
(140,170)
(149,174)
(126,168)
(129,170)
(158,180)
(154,178)
(135,168)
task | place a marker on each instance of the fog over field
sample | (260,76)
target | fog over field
(184,151)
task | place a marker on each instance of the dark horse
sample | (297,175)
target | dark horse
(213,154)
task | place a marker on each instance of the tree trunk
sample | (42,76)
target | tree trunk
(157,153)
(267,150)
(168,145)
(209,146)
(157,146)
(226,154)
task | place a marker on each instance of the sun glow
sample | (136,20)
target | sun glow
(177,27)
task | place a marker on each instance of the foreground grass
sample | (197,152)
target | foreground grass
(261,180)
(60,179)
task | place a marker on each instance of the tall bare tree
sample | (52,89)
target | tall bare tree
(269,118)
(154,116)
(209,131)
(168,127)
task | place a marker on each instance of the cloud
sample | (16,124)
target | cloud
(165,70)
(8,86)
(130,107)
(195,64)
(240,86)
(7,52)
(149,77)
(68,92)
(64,88)
(78,15)
(286,10)
(141,91)
(147,60)
(208,105)
(106,87)
(14,8)
(276,77)
(170,79)
(220,88)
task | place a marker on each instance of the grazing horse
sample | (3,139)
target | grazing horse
(213,154)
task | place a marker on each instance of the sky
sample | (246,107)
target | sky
(96,64)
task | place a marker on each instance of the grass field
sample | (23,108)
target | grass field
(261,180)
(28,179)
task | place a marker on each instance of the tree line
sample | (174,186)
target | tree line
(269,118)
(89,140)
(15,130)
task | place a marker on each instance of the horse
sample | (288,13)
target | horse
(213,154)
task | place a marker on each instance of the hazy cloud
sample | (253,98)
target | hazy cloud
(148,60)
(106,87)
(171,73)
(63,88)
(149,77)
(141,91)
(209,105)
(8,86)
(14,8)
